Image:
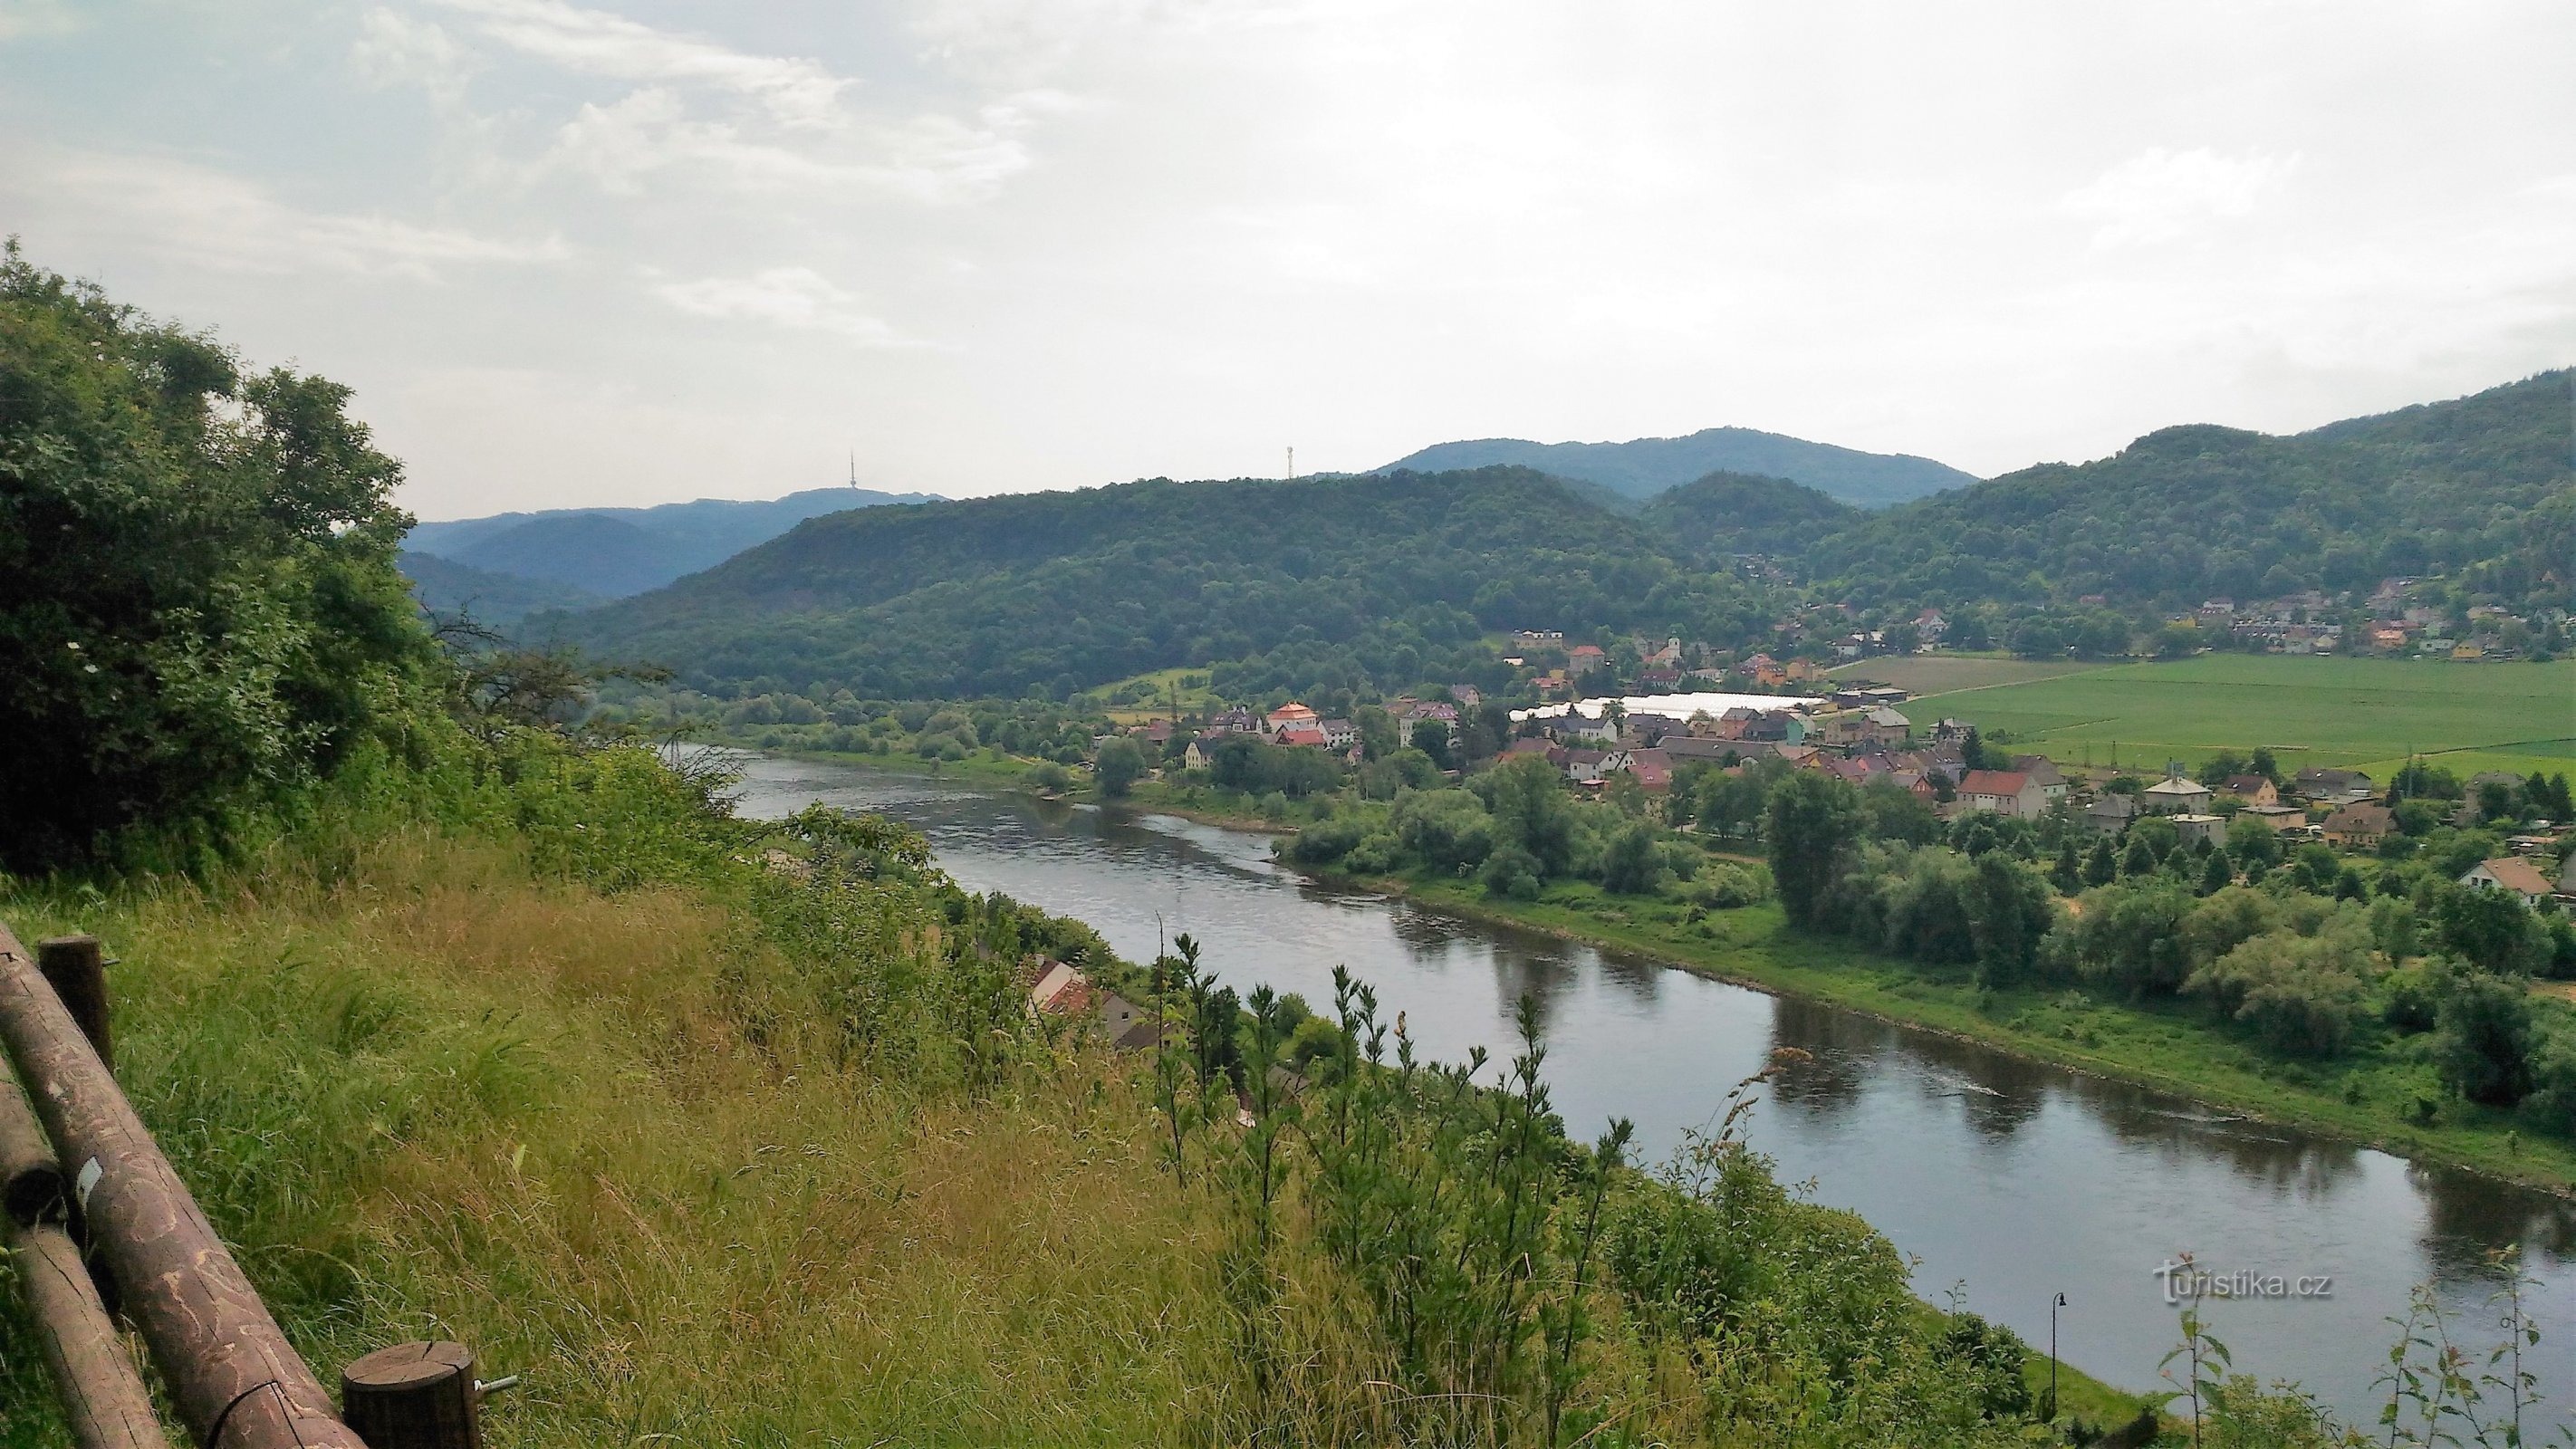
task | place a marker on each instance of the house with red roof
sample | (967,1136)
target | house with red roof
(2002,792)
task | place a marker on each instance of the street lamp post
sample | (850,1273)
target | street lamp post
(2054,1304)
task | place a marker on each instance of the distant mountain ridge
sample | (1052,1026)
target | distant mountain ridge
(615,552)
(1644,467)
(451,590)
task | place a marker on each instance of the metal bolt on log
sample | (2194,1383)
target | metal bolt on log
(235,1380)
(414,1396)
(104,1402)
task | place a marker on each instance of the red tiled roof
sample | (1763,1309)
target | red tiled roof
(1993,782)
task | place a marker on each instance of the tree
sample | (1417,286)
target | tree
(2101,866)
(1531,812)
(1431,737)
(2492,929)
(1812,821)
(1631,864)
(1118,767)
(2482,1036)
(2139,859)
(2008,911)
(2067,875)
(2218,874)
(2495,801)
(198,602)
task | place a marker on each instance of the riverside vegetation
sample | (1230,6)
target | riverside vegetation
(2371,996)
(462,1022)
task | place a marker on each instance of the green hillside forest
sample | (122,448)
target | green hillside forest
(1399,580)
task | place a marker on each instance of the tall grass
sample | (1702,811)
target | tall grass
(429,1093)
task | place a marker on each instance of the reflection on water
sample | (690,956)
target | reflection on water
(2020,1180)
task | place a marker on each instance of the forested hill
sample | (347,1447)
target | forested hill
(2478,487)
(1389,575)
(1644,467)
(1392,578)
(1737,513)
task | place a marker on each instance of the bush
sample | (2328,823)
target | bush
(1511,872)
(1727,886)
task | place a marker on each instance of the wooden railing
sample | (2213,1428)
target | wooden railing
(99,1227)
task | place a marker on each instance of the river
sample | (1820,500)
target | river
(2017,1180)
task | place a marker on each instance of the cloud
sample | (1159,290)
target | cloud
(35,17)
(795,92)
(393,49)
(213,218)
(792,297)
(2159,194)
(929,158)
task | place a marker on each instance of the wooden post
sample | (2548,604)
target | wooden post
(413,1396)
(31,1182)
(233,1377)
(104,1401)
(76,968)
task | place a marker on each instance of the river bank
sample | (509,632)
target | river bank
(2166,1051)
(2372,1104)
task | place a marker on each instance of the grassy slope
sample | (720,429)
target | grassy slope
(2311,711)
(443,1100)
(2168,1050)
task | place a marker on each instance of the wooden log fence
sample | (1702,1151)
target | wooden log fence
(228,1369)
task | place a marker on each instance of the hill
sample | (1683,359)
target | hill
(448,588)
(1392,575)
(650,547)
(2478,487)
(1736,513)
(1644,467)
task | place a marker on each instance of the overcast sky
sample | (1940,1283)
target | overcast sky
(644,250)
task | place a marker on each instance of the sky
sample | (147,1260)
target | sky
(636,251)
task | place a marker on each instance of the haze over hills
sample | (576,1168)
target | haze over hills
(1395,575)
(1644,467)
(614,552)
(450,589)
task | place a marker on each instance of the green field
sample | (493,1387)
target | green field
(2355,712)
(1949,673)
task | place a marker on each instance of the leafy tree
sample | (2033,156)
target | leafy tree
(198,602)
(1431,737)
(1811,823)
(1120,765)
(1631,864)
(2490,929)
(2009,910)
(1447,829)
(2131,938)
(2496,802)
(1530,812)
(2482,1036)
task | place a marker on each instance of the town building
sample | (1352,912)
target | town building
(2509,873)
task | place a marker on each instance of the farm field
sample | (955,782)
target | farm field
(2352,712)
(1948,673)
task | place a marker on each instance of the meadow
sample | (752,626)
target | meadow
(2366,713)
